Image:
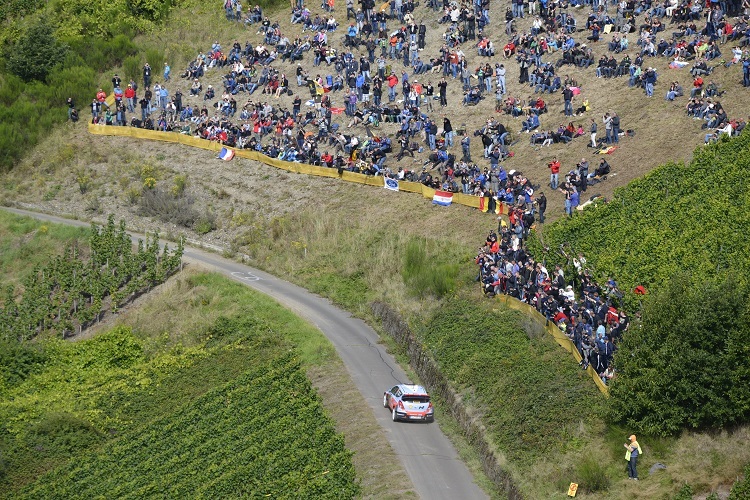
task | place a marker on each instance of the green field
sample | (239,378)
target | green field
(211,402)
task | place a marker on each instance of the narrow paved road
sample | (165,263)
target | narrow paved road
(426,454)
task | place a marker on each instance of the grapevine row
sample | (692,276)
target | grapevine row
(263,434)
(73,290)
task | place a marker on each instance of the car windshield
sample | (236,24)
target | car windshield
(416,399)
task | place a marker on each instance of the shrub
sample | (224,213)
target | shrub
(131,68)
(36,52)
(685,493)
(205,223)
(741,488)
(18,360)
(83,180)
(422,276)
(592,476)
(685,366)
(155,58)
(180,183)
(94,204)
(165,207)
(147,171)
(132,195)
(103,54)
(61,433)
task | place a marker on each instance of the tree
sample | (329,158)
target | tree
(36,52)
(684,365)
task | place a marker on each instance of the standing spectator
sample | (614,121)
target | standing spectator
(118,95)
(431,131)
(146,75)
(500,77)
(465,147)
(631,455)
(554,168)
(163,97)
(649,80)
(167,72)
(116,81)
(130,97)
(607,128)
(448,131)
(568,98)
(145,103)
(96,108)
(443,88)
(593,133)
(541,204)
(615,128)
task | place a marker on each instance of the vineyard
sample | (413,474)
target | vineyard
(680,217)
(262,435)
(72,291)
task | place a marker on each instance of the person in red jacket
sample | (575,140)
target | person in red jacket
(554,168)
(392,81)
(130,97)
(101,96)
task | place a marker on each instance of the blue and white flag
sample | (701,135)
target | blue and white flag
(226,154)
(391,184)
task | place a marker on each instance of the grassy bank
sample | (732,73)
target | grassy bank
(26,244)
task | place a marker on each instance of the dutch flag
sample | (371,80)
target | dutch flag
(443,198)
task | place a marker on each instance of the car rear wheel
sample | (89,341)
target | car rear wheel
(385,401)
(393,415)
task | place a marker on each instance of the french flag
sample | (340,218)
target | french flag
(443,198)
(226,154)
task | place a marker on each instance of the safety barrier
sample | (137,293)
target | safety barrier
(299,168)
(555,332)
(302,168)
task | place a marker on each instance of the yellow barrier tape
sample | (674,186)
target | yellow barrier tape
(300,168)
(556,334)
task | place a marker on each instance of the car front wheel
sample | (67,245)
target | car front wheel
(394,416)
(385,401)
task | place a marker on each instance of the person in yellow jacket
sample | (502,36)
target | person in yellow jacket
(631,455)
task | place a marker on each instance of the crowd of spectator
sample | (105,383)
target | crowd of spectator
(370,73)
(362,72)
(583,310)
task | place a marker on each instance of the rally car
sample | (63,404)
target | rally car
(409,402)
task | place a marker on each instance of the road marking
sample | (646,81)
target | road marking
(246,276)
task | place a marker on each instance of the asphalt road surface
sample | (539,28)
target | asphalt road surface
(428,457)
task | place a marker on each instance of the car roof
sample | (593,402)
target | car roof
(413,389)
